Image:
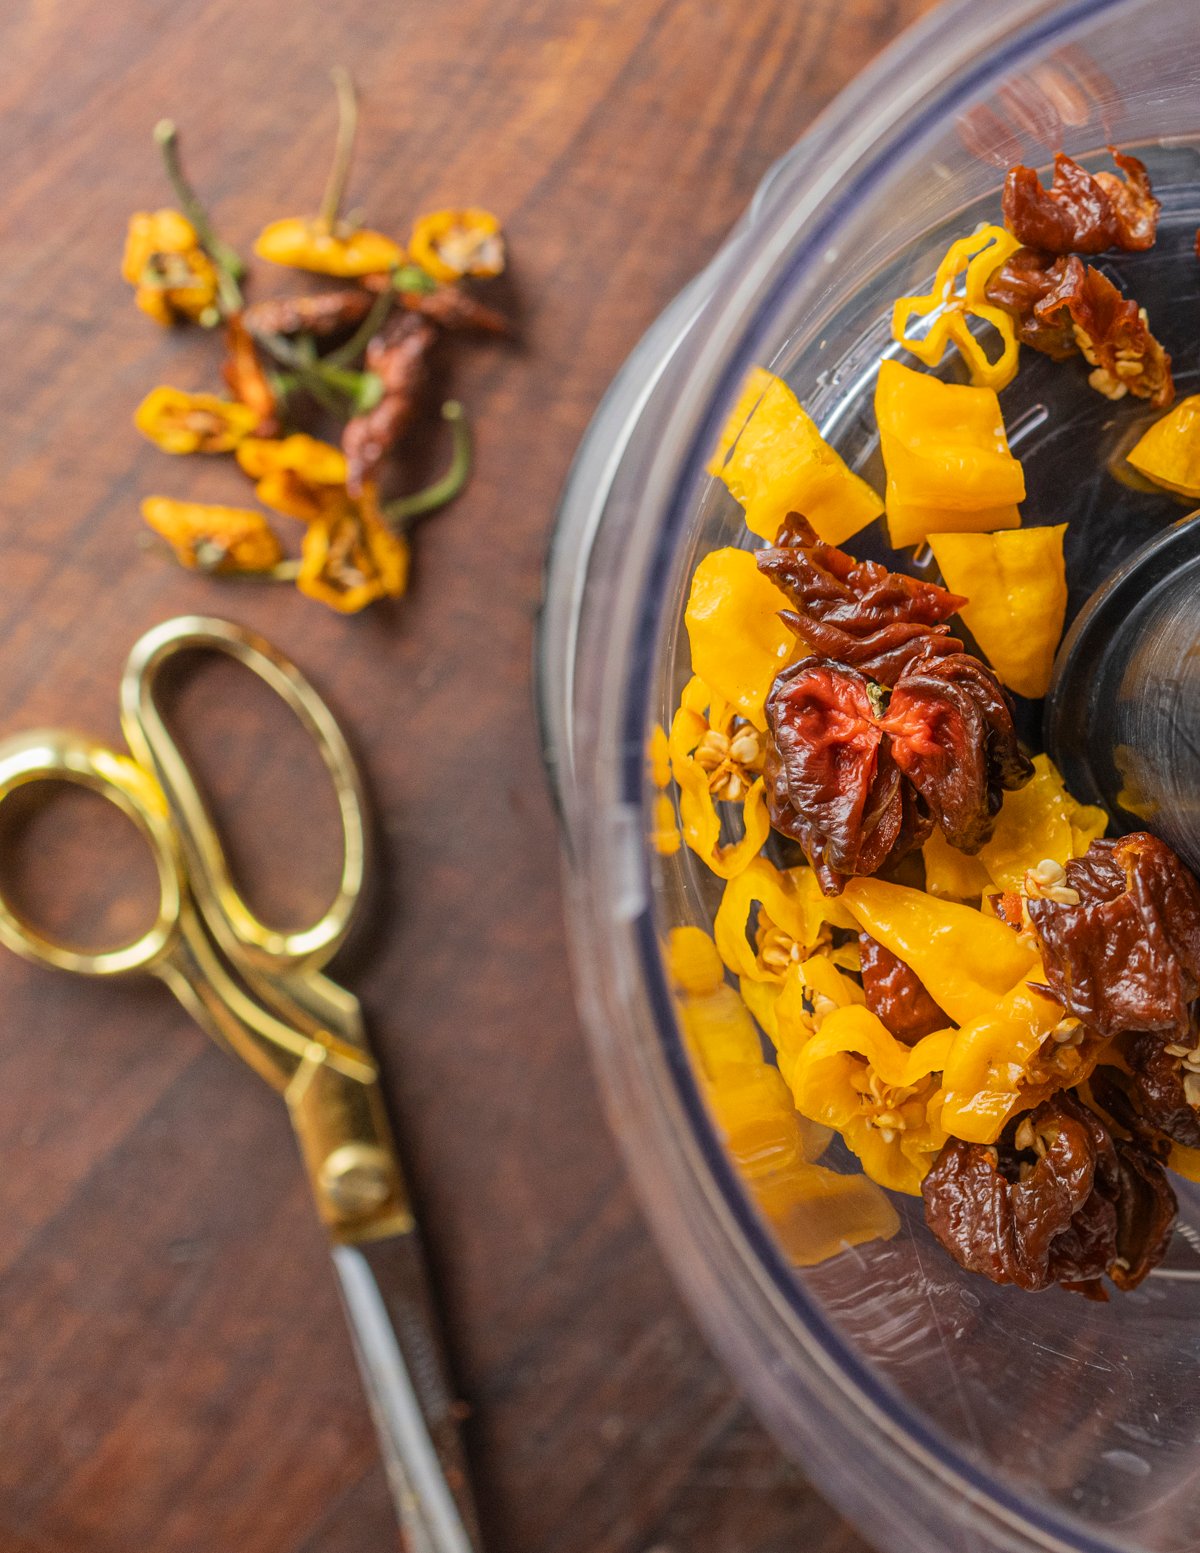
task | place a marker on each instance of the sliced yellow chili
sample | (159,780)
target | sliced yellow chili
(739,643)
(1169,453)
(179,422)
(699,711)
(965,959)
(779,463)
(853,1075)
(975,259)
(1016,587)
(949,468)
(303,243)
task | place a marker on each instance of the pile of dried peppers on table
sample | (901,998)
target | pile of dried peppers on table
(994,1006)
(351,359)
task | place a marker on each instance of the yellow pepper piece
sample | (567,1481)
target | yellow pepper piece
(810,993)
(1184,1162)
(1169,453)
(664,832)
(1016,586)
(795,910)
(693,963)
(815,1212)
(964,959)
(1136,795)
(989,1073)
(448,244)
(658,756)
(179,422)
(739,643)
(762,998)
(754,386)
(349,557)
(171,274)
(214,538)
(298,476)
(319,462)
(699,712)
(951,874)
(302,243)
(1040,820)
(855,1076)
(948,465)
(780,463)
(822,979)
(976,258)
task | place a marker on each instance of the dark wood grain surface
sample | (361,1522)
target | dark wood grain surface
(174,1373)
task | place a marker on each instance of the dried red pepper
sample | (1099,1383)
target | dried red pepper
(859,788)
(896,995)
(1062,1201)
(857,612)
(1082,212)
(1127,956)
(953,737)
(398,355)
(324,314)
(1063,306)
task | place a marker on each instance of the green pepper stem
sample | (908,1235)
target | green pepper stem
(343,151)
(401,512)
(353,348)
(230,268)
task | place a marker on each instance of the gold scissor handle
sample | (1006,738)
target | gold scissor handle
(239,932)
(58,756)
(331,1086)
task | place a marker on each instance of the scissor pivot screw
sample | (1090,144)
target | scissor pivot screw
(357,1178)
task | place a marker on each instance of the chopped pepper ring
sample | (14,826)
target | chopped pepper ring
(700,714)
(976,259)
(881,1095)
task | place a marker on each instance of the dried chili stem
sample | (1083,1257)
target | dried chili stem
(343,152)
(230,268)
(345,354)
(303,373)
(405,509)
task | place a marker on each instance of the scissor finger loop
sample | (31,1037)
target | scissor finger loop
(236,927)
(59,756)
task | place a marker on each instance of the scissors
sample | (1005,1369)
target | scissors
(262,994)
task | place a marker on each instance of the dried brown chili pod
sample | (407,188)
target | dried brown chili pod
(398,356)
(452,307)
(1063,306)
(896,995)
(831,782)
(1127,956)
(1060,1200)
(953,737)
(857,612)
(858,787)
(323,314)
(1165,1086)
(1082,212)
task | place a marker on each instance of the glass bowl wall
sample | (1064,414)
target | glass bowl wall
(936,1409)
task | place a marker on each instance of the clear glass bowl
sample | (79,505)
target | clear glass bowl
(936,1409)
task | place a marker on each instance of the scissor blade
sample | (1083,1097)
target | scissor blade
(403,1370)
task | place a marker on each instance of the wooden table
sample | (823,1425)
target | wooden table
(174,1373)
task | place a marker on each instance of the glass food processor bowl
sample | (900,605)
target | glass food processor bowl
(937,1409)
